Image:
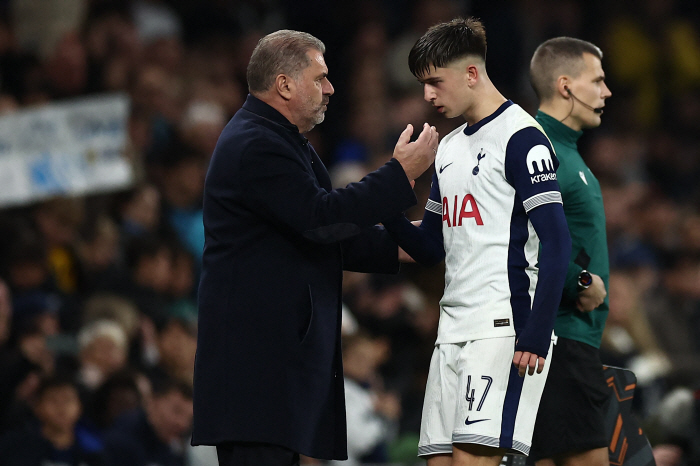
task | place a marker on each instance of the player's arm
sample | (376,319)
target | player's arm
(424,243)
(538,189)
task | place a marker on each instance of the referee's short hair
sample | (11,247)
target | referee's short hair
(555,57)
(281,52)
(446,42)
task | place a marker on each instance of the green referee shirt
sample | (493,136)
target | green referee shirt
(583,207)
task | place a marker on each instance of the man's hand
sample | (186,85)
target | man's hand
(415,157)
(593,296)
(524,360)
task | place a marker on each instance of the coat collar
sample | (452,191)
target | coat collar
(260,108)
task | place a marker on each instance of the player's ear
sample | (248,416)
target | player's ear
(472,75)
(285,86)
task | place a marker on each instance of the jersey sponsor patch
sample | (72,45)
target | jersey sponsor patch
(539,160)
(543,177)
(501,322)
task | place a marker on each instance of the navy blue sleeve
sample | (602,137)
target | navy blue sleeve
(549,222)
(424,243)
(531,169)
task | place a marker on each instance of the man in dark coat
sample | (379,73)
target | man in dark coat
(268,373)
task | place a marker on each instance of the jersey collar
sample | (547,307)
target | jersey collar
(558,130)
(469,130)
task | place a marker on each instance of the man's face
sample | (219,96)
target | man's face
(447,89)
(313,92)
(59,408)
(589,87)
(170,415)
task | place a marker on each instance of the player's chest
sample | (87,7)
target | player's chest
(471,166)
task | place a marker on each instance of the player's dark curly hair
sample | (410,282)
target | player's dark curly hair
(446,42)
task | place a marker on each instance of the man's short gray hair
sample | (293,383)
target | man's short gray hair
(555,57)
(281,52)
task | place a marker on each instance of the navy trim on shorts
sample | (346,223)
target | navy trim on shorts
(510,408)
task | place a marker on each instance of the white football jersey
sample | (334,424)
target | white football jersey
(487,177)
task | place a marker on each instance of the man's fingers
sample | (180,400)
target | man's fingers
(405,137)
(520,361)
(532,363)
(425,135)
(528,363)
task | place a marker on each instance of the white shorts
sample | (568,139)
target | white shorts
(474,395)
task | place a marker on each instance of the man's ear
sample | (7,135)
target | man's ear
(285,86)
(563,86)
(472,75)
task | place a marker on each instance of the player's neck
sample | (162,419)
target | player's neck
(486,101)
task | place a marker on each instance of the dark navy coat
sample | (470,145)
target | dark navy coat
(268,366)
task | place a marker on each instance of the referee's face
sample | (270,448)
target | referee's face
(589,86)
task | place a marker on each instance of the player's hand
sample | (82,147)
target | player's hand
(529,362)
(403,255)
(415,157)
(593,296)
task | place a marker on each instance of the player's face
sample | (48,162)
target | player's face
(447,89)
(589,86)
(313,92)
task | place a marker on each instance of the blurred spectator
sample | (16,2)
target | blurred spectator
(103,352)
(372,413)
(629,342)
(138,210)
(155,434)
(147,276)
(177,344)
(180,170)
(58,221)
(55,437)
(119,394)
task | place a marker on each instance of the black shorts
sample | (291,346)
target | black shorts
(255,454)
(571,415)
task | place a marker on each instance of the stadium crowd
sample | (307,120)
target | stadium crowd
(98,318)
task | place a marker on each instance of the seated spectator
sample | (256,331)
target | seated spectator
(119,394)
(54,437)
(138,210)
(146,280)
(103,351)
(156,434)
(177,345)
(372,414)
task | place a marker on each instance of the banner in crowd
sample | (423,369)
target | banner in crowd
(69,148)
